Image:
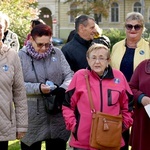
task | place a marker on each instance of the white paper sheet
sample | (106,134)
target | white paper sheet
(147,108)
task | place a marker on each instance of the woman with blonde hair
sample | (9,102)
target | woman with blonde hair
(128,53)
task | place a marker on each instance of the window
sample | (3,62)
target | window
(114,12)
(137,7)
(72,8)
(99,17)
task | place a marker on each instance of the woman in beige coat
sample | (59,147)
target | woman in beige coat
(13,102)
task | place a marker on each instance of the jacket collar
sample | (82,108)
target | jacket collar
(108,73)
(82,41)
(147,66)
(139,43)
(3,48)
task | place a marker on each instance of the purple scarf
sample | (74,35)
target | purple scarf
(31,51)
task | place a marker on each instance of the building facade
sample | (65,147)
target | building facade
(54,13)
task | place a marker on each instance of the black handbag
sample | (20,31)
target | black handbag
(52,106)
(53,101)
(49,102)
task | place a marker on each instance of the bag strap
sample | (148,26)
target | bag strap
(34,69)
(37,81)
(89,92)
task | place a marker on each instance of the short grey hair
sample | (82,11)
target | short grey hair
(135,16)
(82,19)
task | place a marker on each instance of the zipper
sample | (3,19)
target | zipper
(101,96)
(101,93)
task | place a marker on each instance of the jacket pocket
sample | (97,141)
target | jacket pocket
(7,116)
(84,127)
(113,97)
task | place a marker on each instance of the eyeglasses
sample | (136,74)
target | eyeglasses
(40,45)
(100,59)
(136,27)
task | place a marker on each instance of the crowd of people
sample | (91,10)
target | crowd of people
(119,81)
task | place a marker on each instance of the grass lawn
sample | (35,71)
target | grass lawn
(15,145)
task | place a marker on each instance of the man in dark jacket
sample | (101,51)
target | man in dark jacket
(71,35)
(75,50)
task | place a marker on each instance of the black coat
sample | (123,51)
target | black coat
(75,52)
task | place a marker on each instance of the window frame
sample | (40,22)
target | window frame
(137,7)
(114,10)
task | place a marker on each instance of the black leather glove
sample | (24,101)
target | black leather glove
(60,96)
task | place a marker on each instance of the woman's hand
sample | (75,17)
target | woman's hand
(145,100)
(20,135)
(45,89)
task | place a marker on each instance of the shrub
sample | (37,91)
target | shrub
(20,13)
(115,35)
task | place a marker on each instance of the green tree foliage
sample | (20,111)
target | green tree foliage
(96,7)
(146,33)
(115,35)
(20,13)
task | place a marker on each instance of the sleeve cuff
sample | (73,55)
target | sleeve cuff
(140,98)
(40,88)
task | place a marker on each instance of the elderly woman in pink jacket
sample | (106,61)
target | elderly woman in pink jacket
(110,92)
